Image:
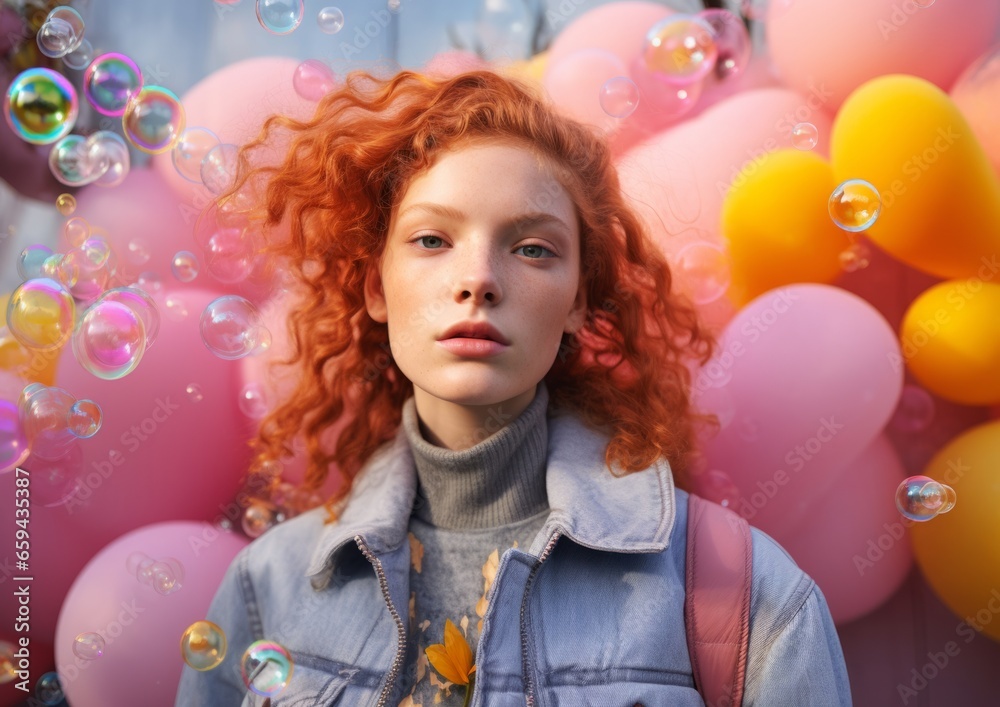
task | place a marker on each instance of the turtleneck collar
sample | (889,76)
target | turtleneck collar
(498,481)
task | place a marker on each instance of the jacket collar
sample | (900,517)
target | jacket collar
(628,513)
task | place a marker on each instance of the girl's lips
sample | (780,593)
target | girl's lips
(472,348)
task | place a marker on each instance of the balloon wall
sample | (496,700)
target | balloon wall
(824,179)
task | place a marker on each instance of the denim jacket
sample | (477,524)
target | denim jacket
(592,613)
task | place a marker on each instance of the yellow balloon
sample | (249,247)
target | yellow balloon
(32,365)
(530,70)
(940,196)
(959,551)
(950,340)
(775,221)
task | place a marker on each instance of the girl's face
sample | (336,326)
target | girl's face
(486,234)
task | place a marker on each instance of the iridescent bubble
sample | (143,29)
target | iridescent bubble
(184,265)
(109,82)
(394,5)
(218,168)
(144,572)
(55,38)
(619,97)
(89,645)
(144,307)
(66,204)
(134,561)
(330,20)
(203,645)
(921,498)
(229,255)
(154,119)
(176,308)
(53,268)
(41,106)
(45,414)
(68,161)
(804,136)
(65,13)
(85,418)
(230,327)
(48,690)
(55,482)
(704,271)
(108,157)
(110,340)
(253,401)
(89,278)
(80,57)
(40,313)
(165,577)
(189,152)
(667,101)
(149,281)
(732,41)
(855,205)
(266,667)
(313,79)
(280,16)
(29,263)
(915,410)
(76,230)
(257,519)
(14,447)
(856,256)
(680,49)
(193,391)
(95,250)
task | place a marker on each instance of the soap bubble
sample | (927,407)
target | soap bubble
(14,447)
(29,263)
(203,645)
(855,205)
(138,252)
(921,498)
(68,161)
(313,79)
(41,106)
(40,313)
(88,645)
(45,413)
(66,204)
(176,308)
(232,327)
(257,519)
(253,401)
(856,256)
(330,20)
(280,16)
(218,168)
(80,57)
(717,486)
(110,340)
(804,136)
(184,265)
(55,482)
(680,49)
(166,576)
(66,14)
(144,307)
(732,42)
(48,690)
(189,152)
(915,410)
(108,157)
(76,230)
(154,119)
(703,271)
(134,561)
(109,82)
(85,418)
(619,97)
(266,667)
(194,393)
(229,255)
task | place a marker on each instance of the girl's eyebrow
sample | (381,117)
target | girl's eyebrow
(520,222)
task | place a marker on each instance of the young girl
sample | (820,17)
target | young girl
(489,317)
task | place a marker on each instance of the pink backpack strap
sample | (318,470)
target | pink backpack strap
(719,566)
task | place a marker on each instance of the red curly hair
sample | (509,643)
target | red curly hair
(334,191)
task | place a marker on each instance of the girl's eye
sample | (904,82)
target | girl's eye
(441,241)
(420,238)
(536,251)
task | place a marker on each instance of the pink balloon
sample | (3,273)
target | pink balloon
(144,221)
(575,81)
(618,27)
(852,540)
(834,47)
(678,179)
(233,102)
(977,95)
(449,63)
(141,628)
(802,382)
(162,453)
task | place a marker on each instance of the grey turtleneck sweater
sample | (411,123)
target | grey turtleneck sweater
(472,505)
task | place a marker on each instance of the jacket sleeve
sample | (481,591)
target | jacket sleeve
(798,661)
(234,610)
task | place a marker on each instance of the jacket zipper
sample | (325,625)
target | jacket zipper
(401,629)
(529,686)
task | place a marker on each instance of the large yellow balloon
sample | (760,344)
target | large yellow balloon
(950,339)
(940,196)
(776,223)
(959,551)
(530,70)
(33,365)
